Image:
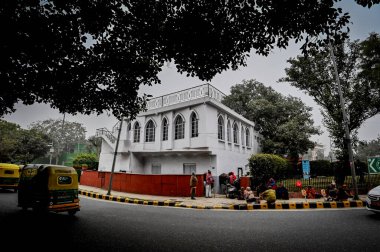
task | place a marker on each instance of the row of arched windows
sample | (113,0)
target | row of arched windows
(179,129)
(245,133)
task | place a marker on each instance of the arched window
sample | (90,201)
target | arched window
(242,136)
(220,128)
(179,128)
(150,131)
(247,138)
(165,129)
(228,131)
(236,133)
(136,133)
(194,125)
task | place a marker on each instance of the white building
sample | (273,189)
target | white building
(183,132)
(317,153)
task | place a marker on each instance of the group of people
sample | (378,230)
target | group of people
(338,194)
(208,183)
(269,192)
(332,193)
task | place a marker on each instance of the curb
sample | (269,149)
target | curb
(262,206)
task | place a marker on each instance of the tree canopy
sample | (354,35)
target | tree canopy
(358,65)
(284,122)
(21,146)
(92,56)
(64,135)
(367,149)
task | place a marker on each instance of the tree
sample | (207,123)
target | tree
(88,159)
(18,145)
(32,145)
(367,149)
(92,56)
(361,91)
(265,166)
(9,133)
(64,135)
(284,122)
(94,142)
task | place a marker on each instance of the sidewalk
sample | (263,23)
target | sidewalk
(218,201)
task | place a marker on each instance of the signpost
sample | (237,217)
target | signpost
(306,169)
(374,165)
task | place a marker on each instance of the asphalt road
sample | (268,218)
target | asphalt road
(110,226)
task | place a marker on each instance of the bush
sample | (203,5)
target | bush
(86,159)
(265,166)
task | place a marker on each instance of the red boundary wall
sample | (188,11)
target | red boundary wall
(163,185)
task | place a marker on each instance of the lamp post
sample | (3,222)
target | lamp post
(345,122)
(114,157)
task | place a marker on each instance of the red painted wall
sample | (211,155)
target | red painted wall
(163,185)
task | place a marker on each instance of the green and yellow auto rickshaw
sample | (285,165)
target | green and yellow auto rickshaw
(9,176)
(44,188)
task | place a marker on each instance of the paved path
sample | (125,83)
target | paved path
(216,202)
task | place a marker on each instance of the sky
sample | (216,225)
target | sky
(267,70)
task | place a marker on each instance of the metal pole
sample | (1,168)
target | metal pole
(114,158)
(345,122)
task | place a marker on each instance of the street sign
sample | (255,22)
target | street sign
(374,165)
(306,169)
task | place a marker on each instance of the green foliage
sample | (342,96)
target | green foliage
(284,122)
(367,149)
(359,72)
(265,166)
(94,144)
(321,168)
(9,133)
(54,51)
(21,146)
(64,135)
(89,160)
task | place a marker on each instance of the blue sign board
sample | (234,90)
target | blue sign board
(306,169)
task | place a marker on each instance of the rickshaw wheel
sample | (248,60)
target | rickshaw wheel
(72,212)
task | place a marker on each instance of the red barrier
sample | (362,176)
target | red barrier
(149,184)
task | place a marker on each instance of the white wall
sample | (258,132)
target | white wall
(225,156)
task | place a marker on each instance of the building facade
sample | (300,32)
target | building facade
(183,132)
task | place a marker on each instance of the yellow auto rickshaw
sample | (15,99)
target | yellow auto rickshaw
(9,176)
(45,187)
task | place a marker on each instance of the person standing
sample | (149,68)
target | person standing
(193,185)
(209,182)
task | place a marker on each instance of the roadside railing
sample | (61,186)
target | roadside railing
(364,184)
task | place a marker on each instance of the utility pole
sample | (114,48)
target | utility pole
(114,158)
(61,141)
(345,123)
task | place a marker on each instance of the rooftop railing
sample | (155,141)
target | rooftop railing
(186,95)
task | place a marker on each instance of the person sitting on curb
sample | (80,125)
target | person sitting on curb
(343,193)
(249,195)
(282,192)
(310,192)
(269,195)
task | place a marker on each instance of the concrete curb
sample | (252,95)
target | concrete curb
(262,206)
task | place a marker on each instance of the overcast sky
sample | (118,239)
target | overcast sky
(264,69)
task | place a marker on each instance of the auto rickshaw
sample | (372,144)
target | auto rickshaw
(9,176)
(45,188)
